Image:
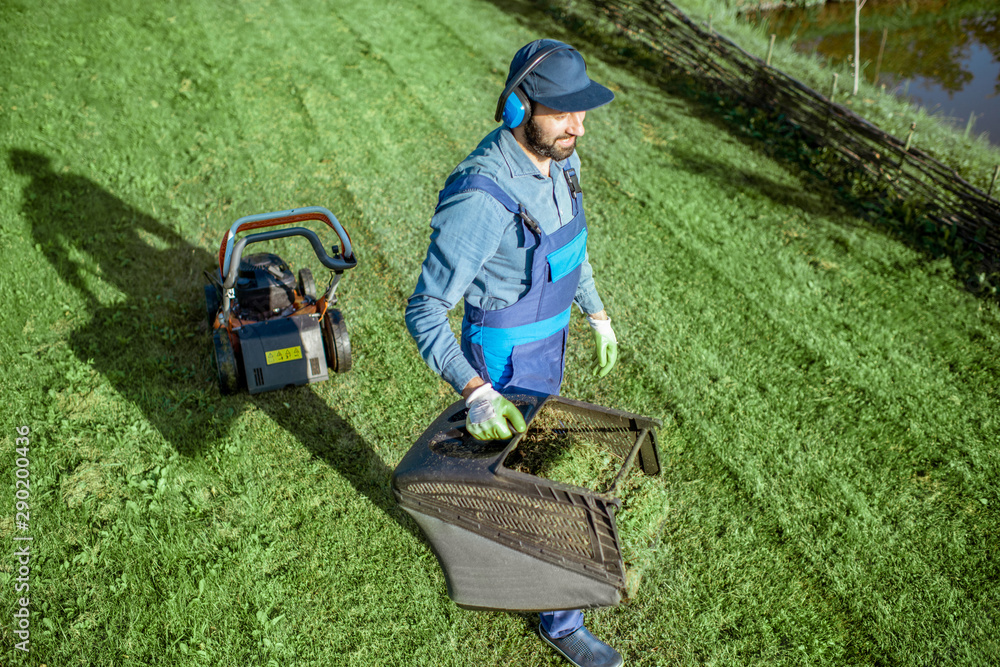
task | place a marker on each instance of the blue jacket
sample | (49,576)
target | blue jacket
(478,252)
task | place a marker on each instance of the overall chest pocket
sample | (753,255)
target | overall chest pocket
(566,259)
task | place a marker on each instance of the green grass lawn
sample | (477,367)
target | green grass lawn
(829,395)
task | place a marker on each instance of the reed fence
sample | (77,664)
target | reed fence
(900,175)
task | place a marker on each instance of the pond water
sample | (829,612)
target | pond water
(944,56)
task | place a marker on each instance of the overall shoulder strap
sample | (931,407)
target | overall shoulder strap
(489,186)
(575,191)
(573,181)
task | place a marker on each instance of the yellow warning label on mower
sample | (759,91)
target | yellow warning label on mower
(287,354)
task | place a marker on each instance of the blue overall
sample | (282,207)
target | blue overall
(524,344)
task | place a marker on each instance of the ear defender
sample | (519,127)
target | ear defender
(514,107)
(516,110)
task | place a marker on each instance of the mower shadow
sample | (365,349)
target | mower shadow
(147,331)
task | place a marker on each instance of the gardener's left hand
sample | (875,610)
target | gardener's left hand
(607,345)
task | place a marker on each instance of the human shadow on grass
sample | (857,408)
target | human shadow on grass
(147,332)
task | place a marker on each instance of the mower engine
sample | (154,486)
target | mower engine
(265,287)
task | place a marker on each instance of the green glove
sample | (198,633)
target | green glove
(488,415)
(607,346)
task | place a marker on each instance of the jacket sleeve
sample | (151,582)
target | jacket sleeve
(465,232)
(587,298)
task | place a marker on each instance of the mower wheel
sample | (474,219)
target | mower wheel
(212,302)
(307,285)
(225,362)
(336,341)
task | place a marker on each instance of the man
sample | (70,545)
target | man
(510,238)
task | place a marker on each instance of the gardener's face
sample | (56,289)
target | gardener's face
(552,134)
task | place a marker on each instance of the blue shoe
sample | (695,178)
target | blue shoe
(583,649)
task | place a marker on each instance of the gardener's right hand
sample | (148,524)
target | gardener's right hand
(488,415)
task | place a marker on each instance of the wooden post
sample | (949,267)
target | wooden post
(996,170)
(709,24)
(881,50)
(909,137)
(906,149)
(833,88)
(858,4)
(770,49)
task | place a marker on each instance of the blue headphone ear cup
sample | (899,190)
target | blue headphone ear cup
(517,109)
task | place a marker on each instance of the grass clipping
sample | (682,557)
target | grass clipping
(577,457)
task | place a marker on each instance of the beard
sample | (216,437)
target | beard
(546,149)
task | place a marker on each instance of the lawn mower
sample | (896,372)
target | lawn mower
(270,330)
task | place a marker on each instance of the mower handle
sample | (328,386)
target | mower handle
(282,218)
(339,263)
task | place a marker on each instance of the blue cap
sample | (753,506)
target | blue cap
(559,81)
